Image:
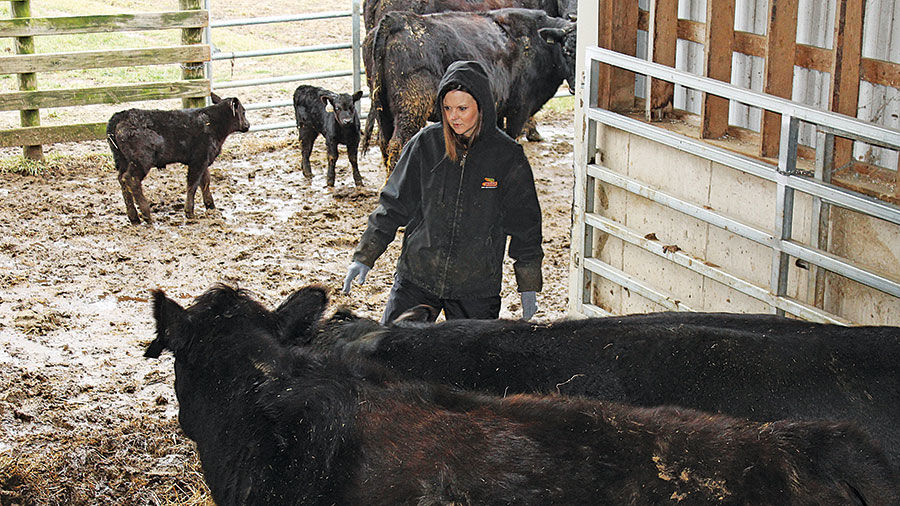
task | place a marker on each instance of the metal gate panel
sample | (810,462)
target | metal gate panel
(782,241)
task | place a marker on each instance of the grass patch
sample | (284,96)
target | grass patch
(53,163)
(561,104)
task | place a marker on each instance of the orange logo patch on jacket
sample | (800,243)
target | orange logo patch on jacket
(489,182)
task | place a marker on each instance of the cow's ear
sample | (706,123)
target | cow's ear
(357,96)
(215,98)
(423,313)
(300,312)
(172,325)
(552,35)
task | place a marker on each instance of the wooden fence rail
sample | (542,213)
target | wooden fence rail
(29,100)
(844,62)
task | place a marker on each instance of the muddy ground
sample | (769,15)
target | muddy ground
(85,418)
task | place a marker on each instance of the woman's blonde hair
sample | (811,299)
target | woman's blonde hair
(453,142)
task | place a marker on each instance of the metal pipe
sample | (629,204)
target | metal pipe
(278,19)
(840,123)
(220,55)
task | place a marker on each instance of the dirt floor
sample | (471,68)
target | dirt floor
(85,418)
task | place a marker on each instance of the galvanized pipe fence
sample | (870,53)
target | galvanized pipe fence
(828,125)
(217,55)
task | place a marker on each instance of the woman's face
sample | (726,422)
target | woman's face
(460,112)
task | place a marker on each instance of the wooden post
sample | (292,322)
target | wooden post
(192,70)
(663,34)
(844,98)
(717,63)
(27,81)
(781,46)
(617,30)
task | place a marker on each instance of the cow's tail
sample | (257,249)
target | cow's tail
(384,28)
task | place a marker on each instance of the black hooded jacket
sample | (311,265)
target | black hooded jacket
(458,215)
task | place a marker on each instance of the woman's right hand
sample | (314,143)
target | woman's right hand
(356,270)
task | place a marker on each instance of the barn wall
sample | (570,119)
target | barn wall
(867,241)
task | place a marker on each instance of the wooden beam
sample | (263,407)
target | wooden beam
(779,73)
(29,26)
(624,40)
(103,94)
(604,40)
(880,72)
(77,60)
(662,43)
(844,98)
(194,69)
(717,64)
(27,82)
(816,58)
(52,134)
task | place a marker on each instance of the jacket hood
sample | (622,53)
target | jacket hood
(472,76)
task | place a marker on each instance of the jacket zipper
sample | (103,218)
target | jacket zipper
(462,171)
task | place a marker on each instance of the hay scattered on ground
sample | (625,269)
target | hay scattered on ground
(138,461)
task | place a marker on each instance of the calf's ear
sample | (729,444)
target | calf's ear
(552,35)
(172,325)
(215,98)
(300,312)
(356,96)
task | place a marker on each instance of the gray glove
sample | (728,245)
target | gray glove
(529,304)
(356,269)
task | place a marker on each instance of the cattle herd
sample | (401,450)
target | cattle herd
(527,47)
(292,407)
(308,404)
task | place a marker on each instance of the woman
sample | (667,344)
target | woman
(460,187)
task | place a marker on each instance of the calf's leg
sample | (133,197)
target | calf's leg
(204,187)
(194,175)
(352,149)
(332,147)
(130,180)
(124,182)
(307,138)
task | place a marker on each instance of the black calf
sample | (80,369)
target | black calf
(334,115)
(142,139)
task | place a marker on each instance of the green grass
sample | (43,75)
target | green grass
(561,104)
(52,163)
(22,165)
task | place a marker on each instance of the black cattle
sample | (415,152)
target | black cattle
(334,116)
(374,10)
(761,367)
(526,53)
(142,139)
(277,424)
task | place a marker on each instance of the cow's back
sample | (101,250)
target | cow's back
(758,367)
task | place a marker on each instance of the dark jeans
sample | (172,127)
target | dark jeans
(405,295)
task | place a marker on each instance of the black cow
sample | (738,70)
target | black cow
(277,424)
(334,115)
(141,139)
(374,10)
(526,53)
(761,367)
